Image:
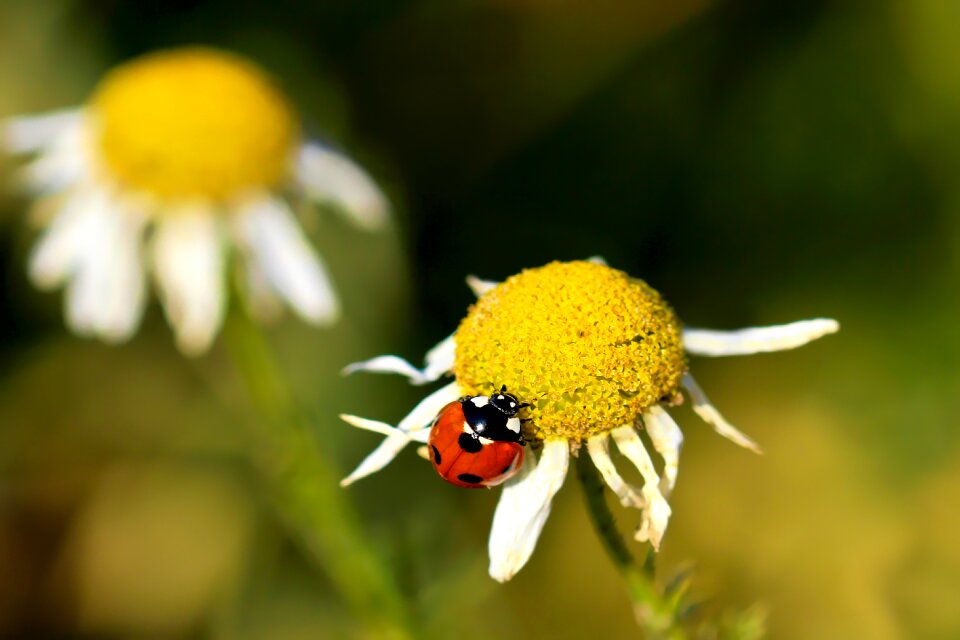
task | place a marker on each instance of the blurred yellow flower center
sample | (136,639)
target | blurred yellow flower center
(589,347)
(193,123)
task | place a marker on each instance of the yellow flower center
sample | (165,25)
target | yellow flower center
(588,346)
(193,123)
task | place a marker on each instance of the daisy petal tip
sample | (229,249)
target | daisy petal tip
(194,344)
(643,535)
(323,315)
(351,419)
(737,437)
(653,527)
(115,336)
(827,325)
(479,286)
(192,348)
(500,575)
(373,215)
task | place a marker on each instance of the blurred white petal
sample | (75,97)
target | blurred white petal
(710,415)
(667,439)
(65,163)
(524,507)
(480,287)
(55,256)
(273,237)
(26,134)
(656,512)
(412,427)
(106,296)
(597,260)
(598,447)
(328,175)
(705,342)
(439,361)
(188,261)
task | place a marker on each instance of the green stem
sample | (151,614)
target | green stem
(303,483)
(653,611)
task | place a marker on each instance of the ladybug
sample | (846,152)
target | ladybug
(475,441)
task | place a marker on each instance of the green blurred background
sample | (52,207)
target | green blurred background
(756,162)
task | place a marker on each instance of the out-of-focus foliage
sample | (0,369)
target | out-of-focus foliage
(756,162)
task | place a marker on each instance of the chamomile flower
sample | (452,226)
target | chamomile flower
(600,357)
(179,161)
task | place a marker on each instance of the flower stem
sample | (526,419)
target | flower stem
(303,484)
(652,610)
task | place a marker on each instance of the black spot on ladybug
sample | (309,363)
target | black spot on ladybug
(469,443)
(469,478)
(436,454)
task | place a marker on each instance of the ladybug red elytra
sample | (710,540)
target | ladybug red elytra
(476,442)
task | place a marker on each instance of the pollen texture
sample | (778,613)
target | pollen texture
(589,347)
(193,123)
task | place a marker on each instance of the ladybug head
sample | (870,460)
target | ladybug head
(507,403)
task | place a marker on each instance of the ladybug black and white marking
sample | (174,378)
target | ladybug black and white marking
(476,442)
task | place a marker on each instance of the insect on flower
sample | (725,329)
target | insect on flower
(599,356)
(476,442)
(180,160)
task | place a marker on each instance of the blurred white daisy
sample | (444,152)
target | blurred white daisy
(599,356)
(181,160)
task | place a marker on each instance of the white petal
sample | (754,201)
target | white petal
(74,228)
(656,513)
(385,452)
(439,362)
(599,448)
(188,261)
(64,163)
(667,439)
(597,260)
(274,239)
(412,427)
(380,457)
(387,364)
(710,415)
(523,509)
(427,409)
(480,287)
(328,175)
(105,297)
(26,134)
(383,428)
(705,342)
